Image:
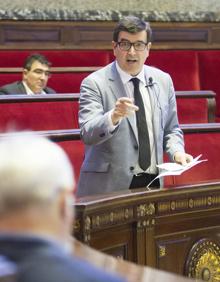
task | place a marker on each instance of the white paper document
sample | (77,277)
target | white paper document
(176,169)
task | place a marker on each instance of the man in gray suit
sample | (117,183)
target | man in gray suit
(108,123)
(35,76)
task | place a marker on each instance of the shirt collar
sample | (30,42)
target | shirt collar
(125,77)
(29,91)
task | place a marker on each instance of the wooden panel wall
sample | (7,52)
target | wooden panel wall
(98,35)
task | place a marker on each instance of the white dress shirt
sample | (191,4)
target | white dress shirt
(29,91)
(129,88)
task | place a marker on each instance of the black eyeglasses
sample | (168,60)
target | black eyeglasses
(126,45)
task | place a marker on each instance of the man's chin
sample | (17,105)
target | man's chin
(132,69)
(38,90)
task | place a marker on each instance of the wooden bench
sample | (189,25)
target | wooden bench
(69,140)
(56,111)
(196,106)
(63,79)
(39,112)
(189,69)
(199,139)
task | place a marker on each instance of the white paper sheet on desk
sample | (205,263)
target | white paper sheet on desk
(176,169)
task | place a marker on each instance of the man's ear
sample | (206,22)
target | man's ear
(66,202)
(24,73)
(149,46)
(114,46)
(62,204)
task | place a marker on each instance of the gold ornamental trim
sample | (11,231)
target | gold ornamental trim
(190,204)
(112,217)
(203,262)
(87,227)
(145,210)
(148,223)
(162,251)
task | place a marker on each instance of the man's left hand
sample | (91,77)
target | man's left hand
(182,158)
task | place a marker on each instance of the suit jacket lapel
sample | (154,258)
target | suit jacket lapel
(155,106)
(21,88)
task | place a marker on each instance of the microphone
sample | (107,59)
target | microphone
(156,90)
(150,82)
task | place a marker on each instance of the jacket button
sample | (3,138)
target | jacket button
(131,168)
(136,147)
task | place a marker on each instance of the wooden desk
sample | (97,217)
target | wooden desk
(174,230)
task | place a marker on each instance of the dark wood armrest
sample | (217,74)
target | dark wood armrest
(54,135)
(200,127)
(39,98)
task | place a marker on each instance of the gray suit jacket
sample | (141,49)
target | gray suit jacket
(17,87)
(111,156)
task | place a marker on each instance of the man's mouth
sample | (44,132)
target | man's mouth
(40,84)
(130,60)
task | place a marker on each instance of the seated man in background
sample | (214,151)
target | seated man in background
(36,212)
(36,72)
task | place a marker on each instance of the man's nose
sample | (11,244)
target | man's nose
(43,75)
(132,50)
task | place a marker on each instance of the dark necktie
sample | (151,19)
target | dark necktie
(143,135)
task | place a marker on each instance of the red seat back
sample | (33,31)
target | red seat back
(44,115)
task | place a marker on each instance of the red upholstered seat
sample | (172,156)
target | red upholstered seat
(207,144)
(209,66)
(67,82)
(192,111)
(75,151)
(39,115)
(60,82)
(181,65)
(189,69)
(58,58)
(6,78)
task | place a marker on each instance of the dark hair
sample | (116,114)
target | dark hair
(36,57)
(132,24)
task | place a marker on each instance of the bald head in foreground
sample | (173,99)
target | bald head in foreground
(36,212)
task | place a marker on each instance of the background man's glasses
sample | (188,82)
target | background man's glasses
(126,45)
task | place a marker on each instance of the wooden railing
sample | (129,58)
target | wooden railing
(53,69)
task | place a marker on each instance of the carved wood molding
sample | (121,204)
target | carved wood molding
(189,204)
(203,260)
(98,35)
